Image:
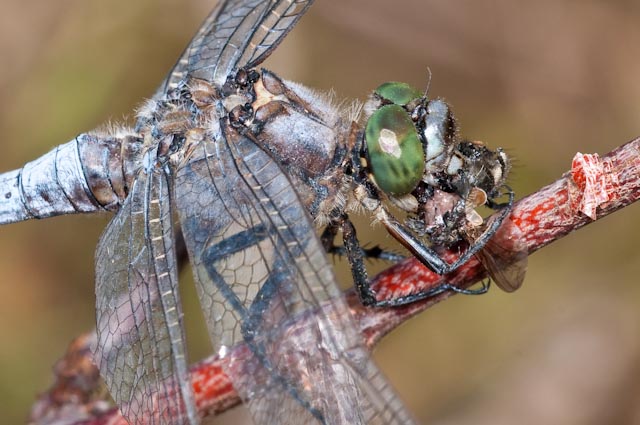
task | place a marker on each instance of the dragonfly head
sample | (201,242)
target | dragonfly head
(412,141)
(417,160)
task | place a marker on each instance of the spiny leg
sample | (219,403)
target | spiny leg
(375,252)
(427,255)
(355,256)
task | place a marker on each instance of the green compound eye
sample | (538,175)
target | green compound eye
(397,93)
(395,151)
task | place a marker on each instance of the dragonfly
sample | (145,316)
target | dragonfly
(246,169)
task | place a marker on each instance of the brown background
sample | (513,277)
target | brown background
(542,79)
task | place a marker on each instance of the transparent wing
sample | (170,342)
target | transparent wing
(263,278)
(236,34)
(140,349)
(505,257)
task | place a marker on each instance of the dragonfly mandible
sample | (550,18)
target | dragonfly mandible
(252,165)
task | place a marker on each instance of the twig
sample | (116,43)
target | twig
(595,187)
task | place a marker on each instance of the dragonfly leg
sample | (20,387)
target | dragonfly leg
(491,203)
(356,254)
(427,255)
(375,252)
(431,292)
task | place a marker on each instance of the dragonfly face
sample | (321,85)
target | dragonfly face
(252,165)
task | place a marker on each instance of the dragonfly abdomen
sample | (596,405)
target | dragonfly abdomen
(88,174)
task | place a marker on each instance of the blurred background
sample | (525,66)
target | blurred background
(541,79)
